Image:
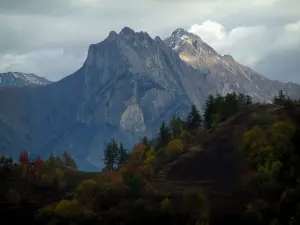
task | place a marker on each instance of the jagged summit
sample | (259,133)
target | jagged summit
(19,79)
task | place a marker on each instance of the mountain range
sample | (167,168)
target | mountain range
(128,84)
(18,79)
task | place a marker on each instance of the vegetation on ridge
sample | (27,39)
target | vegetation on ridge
(55,192)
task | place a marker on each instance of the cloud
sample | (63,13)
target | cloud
(34,32)
(54,64)
(255,46)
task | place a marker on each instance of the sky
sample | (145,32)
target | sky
(51,37)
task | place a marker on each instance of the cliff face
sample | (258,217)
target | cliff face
(127,86)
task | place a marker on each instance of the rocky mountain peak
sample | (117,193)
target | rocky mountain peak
(19,79)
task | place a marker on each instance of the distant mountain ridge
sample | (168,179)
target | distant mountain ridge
(127,86)
(19,79)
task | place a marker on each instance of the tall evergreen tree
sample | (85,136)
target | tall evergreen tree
(110,155)
(176,126)
(209,110)
(194,119)
(122,154)
(164,134)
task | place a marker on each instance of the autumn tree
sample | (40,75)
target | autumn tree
(38,166)
(24,161)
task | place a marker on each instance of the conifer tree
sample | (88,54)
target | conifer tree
(164,134)
(194,119)
(122,154)
(176,126)
(110,155)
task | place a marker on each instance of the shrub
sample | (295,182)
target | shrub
(166,205)
(174,147)
(14,197)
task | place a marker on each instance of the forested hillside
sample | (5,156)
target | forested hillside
(237,163)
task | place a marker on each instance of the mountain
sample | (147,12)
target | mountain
(128,84)
(224,71)
(17,79)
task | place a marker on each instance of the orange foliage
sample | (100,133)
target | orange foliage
(137,152)
(144,170)
(110,177)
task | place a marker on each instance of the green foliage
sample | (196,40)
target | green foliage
(164,134)
(194,119)
(280,99)
(14,197)
(86,192)
(176,126)
(122,156)
(111,155)
(140,207)
(219,108)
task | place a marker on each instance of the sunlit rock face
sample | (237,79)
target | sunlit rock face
(132,118)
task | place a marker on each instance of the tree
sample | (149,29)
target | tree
(69,161)
(280,99)
(174,147)
(209,110)
(164,134)
(194,119)
(110,155)
(176,126)
(38,165)
(145,141)
(122,154)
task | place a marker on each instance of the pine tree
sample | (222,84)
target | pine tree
(145,141)
(248,100)
(164,134)
(176,126)
(110,155)
(122,154)
(209,110)
(194,119)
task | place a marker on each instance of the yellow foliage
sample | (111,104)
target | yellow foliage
(166,205)
(46,179)
(150,157)
(59,173)
(68,209)
(174,147)
(137,153)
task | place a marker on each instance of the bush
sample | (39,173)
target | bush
(14,197)
(174,147)
(166,206)
(86,191)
